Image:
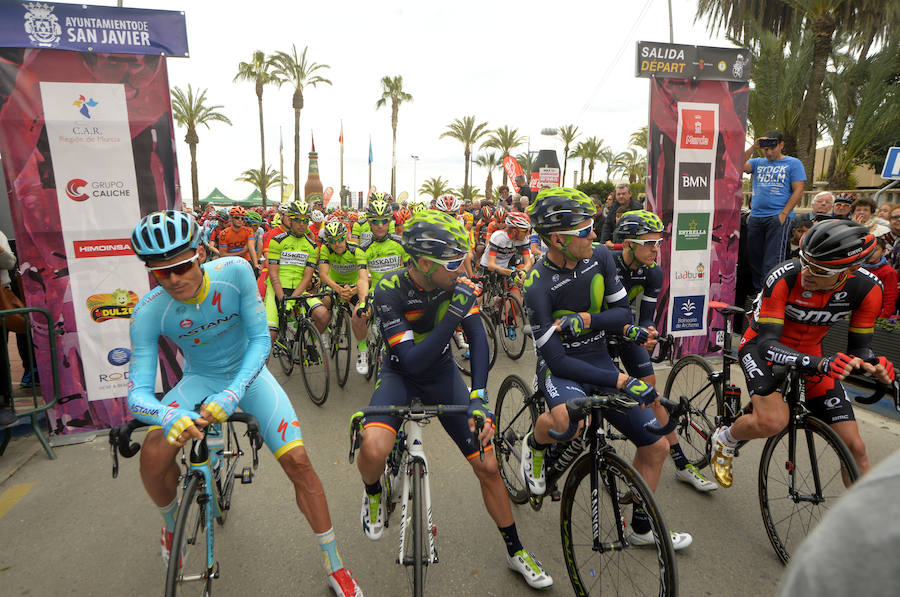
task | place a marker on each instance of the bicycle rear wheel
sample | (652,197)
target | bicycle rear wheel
(225,478)
(459,344)
(613,567)
(511,328)
(284,344)
(313,362)
(341,346)
(373,341)
(515,418)
(691,377)
(190,570)
(818,471)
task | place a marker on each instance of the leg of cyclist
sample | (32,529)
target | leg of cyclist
(827,400)
(320,314)
(359,325)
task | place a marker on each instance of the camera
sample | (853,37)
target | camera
(768,142)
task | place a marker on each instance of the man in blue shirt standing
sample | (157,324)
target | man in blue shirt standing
(777,187)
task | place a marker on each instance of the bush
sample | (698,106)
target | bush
(637,188)
(601,189)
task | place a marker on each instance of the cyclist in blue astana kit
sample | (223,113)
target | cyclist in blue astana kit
(641,233)
(418,309)
(574,298)
(214,314)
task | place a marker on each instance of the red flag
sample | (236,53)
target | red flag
(513,168)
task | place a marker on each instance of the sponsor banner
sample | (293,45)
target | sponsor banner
(84,28)
(688,314)
(694,179)
(677,61)
(513,168)
(101,248)
(691,231)
(548,176)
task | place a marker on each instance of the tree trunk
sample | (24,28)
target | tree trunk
(297,103)
(488,185)
(262,141)
(503,167)
(466,177)
(394,108)
(195,187)
(565,163)
(823,28)
(591,171)
(582,171)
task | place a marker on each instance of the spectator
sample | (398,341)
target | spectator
(622,199)
(504,196)
(841,207)
(862,211)
(884,213)
(894,220)
(821,206)
(878,265)
(777,187)
(524,189)
(598,215)
(516,204)
(797,233)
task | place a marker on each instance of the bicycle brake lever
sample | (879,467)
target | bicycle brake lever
(113,441)
(479,426)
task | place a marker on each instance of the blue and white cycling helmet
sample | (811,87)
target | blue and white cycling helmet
(164,234)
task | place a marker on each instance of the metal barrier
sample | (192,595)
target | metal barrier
(38,403)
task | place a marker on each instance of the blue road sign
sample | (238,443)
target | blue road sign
(892,164)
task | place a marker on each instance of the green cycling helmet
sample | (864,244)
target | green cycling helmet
(433,233)
(559,208)
(634,224)
(378,208)
(254,217)
(335,232)
(417,207)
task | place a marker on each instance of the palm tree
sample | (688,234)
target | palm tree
(468,133)
(261,179)
(190,111)
(473,193)
(609,158)
(435,187)
(524,160)
(633,165)
(567,134)
(296,70)
(639,137)
(392,90)
(861,21)
(258,71)
(578,152)
(592,149)
(504,139)
(489,161)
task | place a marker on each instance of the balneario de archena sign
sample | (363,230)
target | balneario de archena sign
(676,61)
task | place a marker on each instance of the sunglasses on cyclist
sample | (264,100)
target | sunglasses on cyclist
(379,221)
(652,242)
(450,266)
(182,267)
(299,220)
(580,232)
(817,270)
(337,239)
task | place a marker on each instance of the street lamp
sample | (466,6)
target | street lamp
(415,191)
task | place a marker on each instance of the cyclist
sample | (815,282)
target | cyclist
(641,233)
(292,262)
(481,229)
(574,299)
(237,240)
(339,263)
(418,309)
(255,224)
(214,315)
(317,218)
(508,244)
(799,301)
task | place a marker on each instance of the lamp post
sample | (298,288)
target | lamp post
(415,190)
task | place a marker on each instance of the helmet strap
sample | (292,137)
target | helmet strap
(426,274)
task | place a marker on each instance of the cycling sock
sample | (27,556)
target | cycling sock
(640,522)
(361,344)
(726,438)
(168,514)
(328,545)
(534,444)
(511,538)
(678,457)
(374,488)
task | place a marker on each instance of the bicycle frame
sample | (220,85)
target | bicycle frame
(199,464)
(415,451)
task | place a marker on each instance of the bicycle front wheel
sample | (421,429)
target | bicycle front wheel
(225,477)
(515,417)
(798,486)
(610,566)
(190,562)
(511,328)
(313,362)
(341,346)
(419,554)
(692,377)
(284,344)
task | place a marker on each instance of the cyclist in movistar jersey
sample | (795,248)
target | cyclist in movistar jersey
(339,264)
(574,299)
(214,315)
(418,309)
(292,263)
(641,233)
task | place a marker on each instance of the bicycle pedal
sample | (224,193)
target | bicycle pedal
(555,496)
(246,475)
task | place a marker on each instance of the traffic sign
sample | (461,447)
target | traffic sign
(892,164)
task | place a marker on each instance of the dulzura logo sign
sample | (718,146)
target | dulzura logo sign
(117,304)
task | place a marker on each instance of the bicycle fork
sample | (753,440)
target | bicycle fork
(209,498)
(416,453)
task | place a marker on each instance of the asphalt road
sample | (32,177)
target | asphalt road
(76,531)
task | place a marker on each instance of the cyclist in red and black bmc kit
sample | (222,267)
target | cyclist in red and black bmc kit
(799,302)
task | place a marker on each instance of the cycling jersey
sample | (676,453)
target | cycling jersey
(292,254)
(504,249)
(343,267)
(644,282)
(364,232)
(222,335)
(233,240)
(383,256)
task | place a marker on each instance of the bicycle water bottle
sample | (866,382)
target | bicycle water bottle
(732,401)
(215,442)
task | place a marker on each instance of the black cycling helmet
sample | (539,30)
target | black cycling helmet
(559,208)
(837,243)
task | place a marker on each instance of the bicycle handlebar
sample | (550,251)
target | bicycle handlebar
(859,379)
(579,408)
(666,344)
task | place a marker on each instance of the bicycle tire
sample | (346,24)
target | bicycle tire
(512,310)
(515,416)
(601,573)
(463,363)
(313,362)
(341,346)
(285,346)
(373,341)
(225,478)
(831,457)
(418,556)
(691,378)
(190,523)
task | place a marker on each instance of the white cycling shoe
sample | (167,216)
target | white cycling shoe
(530,569)
(362,362)
(372,515)
(679,540)
(692,476)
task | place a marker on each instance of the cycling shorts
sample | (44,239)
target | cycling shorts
(264,399)
(446,386)
(635,359)
(632,423)
(825,396)
(272,306)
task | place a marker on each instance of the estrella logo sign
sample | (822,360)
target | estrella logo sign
(83,104)
(73,189)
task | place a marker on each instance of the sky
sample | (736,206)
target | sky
(529,65)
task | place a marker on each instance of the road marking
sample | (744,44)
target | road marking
(11,497)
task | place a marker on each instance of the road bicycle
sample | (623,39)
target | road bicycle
(341,338)
(406,469)
(459,344)
(505,312)
(207,481)
(596,496)
(299,343)
(804,469)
